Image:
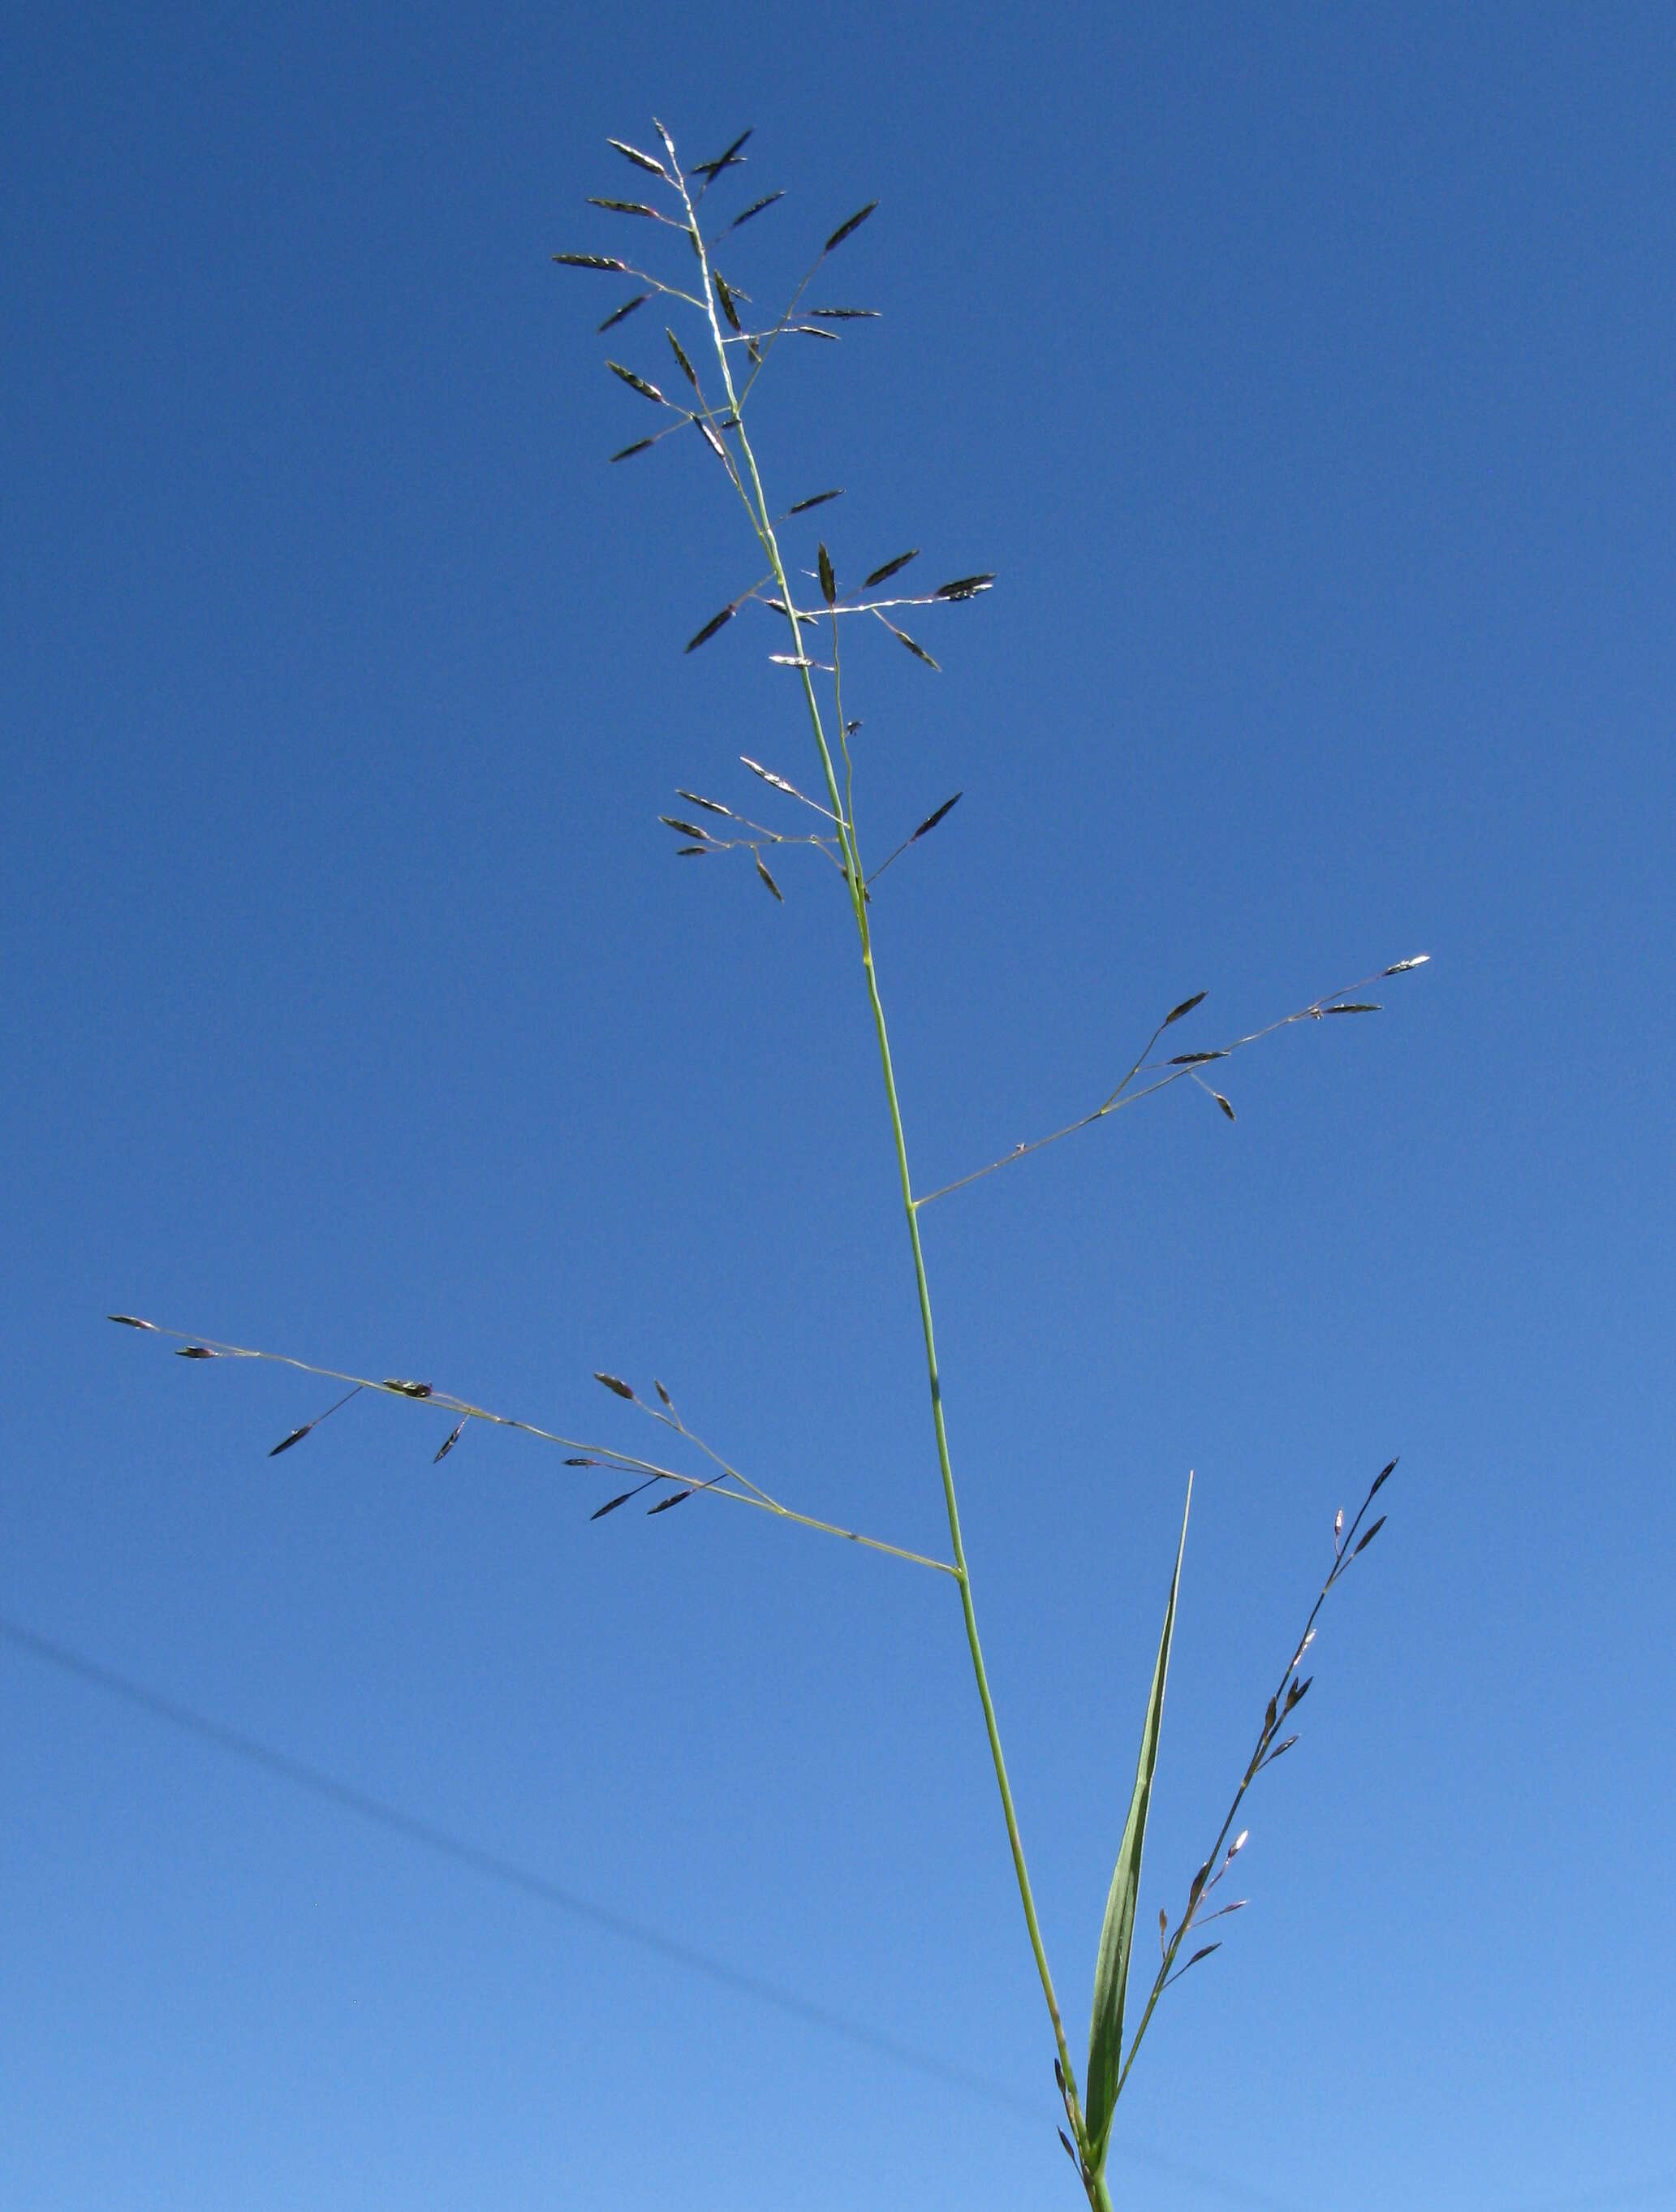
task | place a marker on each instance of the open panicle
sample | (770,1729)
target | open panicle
(717,344)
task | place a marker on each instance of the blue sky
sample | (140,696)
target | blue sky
(385,1835)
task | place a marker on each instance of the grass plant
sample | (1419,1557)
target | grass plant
(813,614)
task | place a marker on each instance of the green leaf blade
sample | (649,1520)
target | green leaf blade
(1111,1972)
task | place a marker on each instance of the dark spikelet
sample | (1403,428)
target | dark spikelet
(1280,1750)
(1224,1104)
(843,314)
(1058,2076)
(1364,1006)
(640,161)
(624,207)
(640,445)
(612,1504)
(931,820)
(1195,1059)
(844,229)
(1364,1541)
(696,852)
(964,588)
(829,581)
(810,330)
(711,170)
(449,1442)
(586,1460)
(755,208)
(618,315)
(710,806)
(196,1352)
(1066,2140)
(131,1321)
(768,776)
(295,1437)
(890,568)
(818,499)
(917,650)
(686,829)
(665,1504)
(637,383)
(407,1390)
(592,261)
(715,622)
(1402,967)
(669,143)
(724,292)
(1187,1006)
(681,361)
(656,1384)
(1197,1956)
(1380,1479)
(763,871)
(614,1383)
(1298,1692)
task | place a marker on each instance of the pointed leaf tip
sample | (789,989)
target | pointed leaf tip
(614,1383)
(1111,1974)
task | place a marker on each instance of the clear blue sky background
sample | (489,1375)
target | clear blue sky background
(1307,376)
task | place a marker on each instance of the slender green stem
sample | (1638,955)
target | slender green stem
(764,527)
